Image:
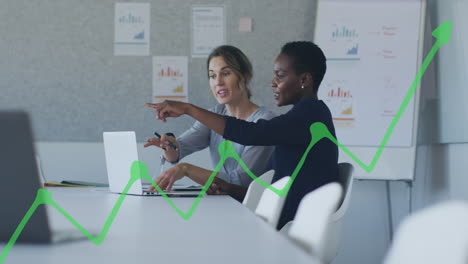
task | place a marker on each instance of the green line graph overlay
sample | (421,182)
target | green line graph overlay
(319,131)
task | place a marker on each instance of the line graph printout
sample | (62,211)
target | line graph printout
(208,29)
(170,78)
(132,29)
(372,58)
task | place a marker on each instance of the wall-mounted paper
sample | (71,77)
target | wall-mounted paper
(245,24)
(208,29)
(170,78)
(132,29)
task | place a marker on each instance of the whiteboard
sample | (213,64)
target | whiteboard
(373,51)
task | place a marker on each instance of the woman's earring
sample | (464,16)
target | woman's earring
(302,87)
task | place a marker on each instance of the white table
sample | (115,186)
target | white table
(148,230)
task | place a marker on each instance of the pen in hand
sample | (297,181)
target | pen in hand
(167,142)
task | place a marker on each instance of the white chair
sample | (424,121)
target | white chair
(438,234)
(255,190)
(345,178)
(310,226)
(270,204)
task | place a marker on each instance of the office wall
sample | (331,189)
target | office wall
(58,63)
(453,72)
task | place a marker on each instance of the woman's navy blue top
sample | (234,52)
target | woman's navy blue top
(290,133)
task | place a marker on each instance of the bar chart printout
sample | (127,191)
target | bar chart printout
(170,78)
(340,101)
(343,42)
(131,29)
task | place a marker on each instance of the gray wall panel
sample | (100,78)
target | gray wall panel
(58,63)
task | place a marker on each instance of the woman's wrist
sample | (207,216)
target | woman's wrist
(185,167)
(228,188)
(171,157)
(189,109)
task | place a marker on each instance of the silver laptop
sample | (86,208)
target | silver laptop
(121,151)
(20,183)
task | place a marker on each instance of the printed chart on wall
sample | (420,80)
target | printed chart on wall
(372,55)
(170,78)
(132,29)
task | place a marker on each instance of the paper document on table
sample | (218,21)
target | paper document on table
(75,184)
(59,184)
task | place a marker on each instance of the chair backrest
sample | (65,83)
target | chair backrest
(310,225)
(438,234)
(255,190)
(345,178)
(270,204)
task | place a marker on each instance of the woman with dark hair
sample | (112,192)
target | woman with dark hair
(229,74)
(298,72)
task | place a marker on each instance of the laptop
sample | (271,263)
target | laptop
(121,151)
(20,182)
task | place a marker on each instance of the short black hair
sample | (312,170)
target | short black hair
(307,57)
